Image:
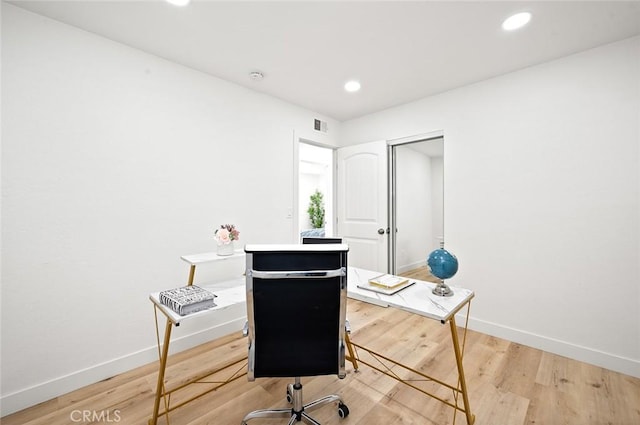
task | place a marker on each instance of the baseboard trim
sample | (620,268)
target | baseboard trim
(598,358)
(31,396)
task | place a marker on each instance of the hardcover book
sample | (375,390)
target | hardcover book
(386,284)
(187,299)
(388,281)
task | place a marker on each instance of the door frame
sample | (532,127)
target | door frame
(391,185)
(295,210)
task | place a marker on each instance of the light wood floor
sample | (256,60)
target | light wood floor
(420,273)
(509,384)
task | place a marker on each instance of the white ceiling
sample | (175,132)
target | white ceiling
(400,51)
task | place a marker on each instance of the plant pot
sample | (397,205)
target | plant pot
(226,249)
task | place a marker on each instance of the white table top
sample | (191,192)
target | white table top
(228,294)
(416,298)
(207,257)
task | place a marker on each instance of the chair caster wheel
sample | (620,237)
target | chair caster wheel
(343,410)
(289,396)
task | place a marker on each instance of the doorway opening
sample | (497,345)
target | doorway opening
(315,190)
(417,205)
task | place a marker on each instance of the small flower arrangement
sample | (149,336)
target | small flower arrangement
(226,233)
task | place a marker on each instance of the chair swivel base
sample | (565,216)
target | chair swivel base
(298,413)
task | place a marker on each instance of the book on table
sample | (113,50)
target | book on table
(386,284)
(187,299)
(388,281)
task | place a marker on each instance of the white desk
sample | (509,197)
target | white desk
(207,257)
(417,299)
(228,293)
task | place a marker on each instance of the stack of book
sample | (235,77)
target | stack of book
(187,299)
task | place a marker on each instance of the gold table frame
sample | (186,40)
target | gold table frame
(459,389)
(235,366)
(162,394)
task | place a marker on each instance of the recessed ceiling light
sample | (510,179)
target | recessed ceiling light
(178,2)
(256,75)
(516,21)
(352,86)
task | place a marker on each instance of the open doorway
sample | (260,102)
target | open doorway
(417,205)
(315,190)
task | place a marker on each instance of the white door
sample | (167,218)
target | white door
(362,204)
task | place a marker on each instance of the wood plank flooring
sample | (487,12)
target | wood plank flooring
(509,384)
(420,273)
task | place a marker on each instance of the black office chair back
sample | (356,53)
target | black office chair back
(296,308)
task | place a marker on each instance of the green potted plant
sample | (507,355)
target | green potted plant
(316,210)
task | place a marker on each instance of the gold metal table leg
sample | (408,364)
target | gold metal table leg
(460,388)
(192,273)
(461,379)
(352,355)
(163,366)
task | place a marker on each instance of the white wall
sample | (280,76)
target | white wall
(542,193)
(115,163)
(414,215)
(419,206)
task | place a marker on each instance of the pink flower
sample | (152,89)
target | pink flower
(226,233)
(223,236)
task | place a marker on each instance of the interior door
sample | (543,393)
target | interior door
(362,204)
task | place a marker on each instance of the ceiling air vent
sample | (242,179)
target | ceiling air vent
(320,125)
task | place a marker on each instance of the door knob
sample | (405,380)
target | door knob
(381,231)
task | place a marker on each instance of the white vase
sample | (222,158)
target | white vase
(226,249)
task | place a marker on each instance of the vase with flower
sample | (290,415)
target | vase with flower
(225,235)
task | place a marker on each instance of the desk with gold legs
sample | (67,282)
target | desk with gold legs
(236,294)
(230,297)
(417,299)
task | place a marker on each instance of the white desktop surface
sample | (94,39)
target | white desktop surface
(208,257)
(227,293)
(416,298)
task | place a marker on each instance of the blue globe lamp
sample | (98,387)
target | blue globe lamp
(443,265)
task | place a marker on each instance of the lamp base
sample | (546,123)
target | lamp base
(442,290)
